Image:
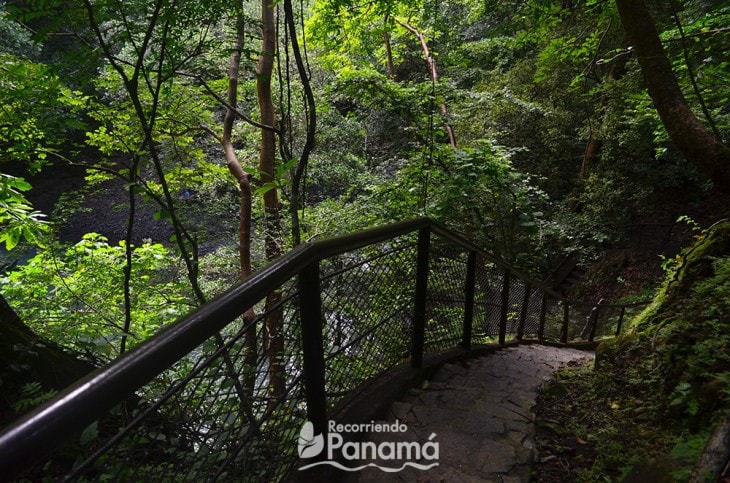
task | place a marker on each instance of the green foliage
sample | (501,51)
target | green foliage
(688,450)
(14,39)
(32,394)
(480,56)
(698,363)
(475,190)
(502,205)
(352,34)
(705,46)
(538,79)
(338,166)
(36,111)
(89,434)
(74,295)
(18,220)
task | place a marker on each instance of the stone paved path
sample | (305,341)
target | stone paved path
(481,412)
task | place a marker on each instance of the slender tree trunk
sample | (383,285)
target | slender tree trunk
(388,51)
(128,252)
(274,342)
(311,113)
(594,145)
(244,220)
(590,156)
(434,76)
(696,143)
(267,154)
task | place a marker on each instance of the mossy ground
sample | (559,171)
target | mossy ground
(649,404)
(590,429)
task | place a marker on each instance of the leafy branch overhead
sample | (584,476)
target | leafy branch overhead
(17,217)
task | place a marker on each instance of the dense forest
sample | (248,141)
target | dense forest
(154,153)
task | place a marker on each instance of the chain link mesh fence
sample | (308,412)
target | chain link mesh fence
(367,304)
(232,408)
(221,412)
(487,302)
(445,301)
(611,319)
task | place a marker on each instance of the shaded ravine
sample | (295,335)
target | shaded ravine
(104,208)
(482,414)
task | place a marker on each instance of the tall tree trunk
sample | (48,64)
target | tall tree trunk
(696,143)
(311,123)
(594,145)
(274,342)
(244,220)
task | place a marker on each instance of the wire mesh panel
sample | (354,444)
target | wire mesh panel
(487,302)
(606,321)
(579,322)
(367,306)
(532,312)
(554,311)
(445,300)
(612,319)
(230,410)
(515,298)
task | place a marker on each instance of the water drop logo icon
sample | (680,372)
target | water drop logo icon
(309,444)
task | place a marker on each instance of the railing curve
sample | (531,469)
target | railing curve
(196,403)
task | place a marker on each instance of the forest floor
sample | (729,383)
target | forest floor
(61,192)
(585,433)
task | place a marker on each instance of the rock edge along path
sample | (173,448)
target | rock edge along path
(481,412)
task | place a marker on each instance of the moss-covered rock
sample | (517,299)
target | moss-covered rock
(681,342)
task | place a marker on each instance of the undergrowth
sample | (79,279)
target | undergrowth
(646,410)
(596,426)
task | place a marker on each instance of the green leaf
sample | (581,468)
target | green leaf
(163,214)
(266,188)
(89,434)
(11,238)
(21,184)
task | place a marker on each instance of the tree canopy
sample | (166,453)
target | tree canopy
(227,133)
(154,153)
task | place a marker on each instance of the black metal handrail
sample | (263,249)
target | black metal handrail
(34,437)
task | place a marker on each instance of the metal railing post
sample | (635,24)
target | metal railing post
(310,306)
(566,320)
(543,312)
(471,270)
(523,312)
(419,315)
(594,320)
(620,320)
(503,312)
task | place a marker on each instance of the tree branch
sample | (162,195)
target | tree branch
(224,103)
